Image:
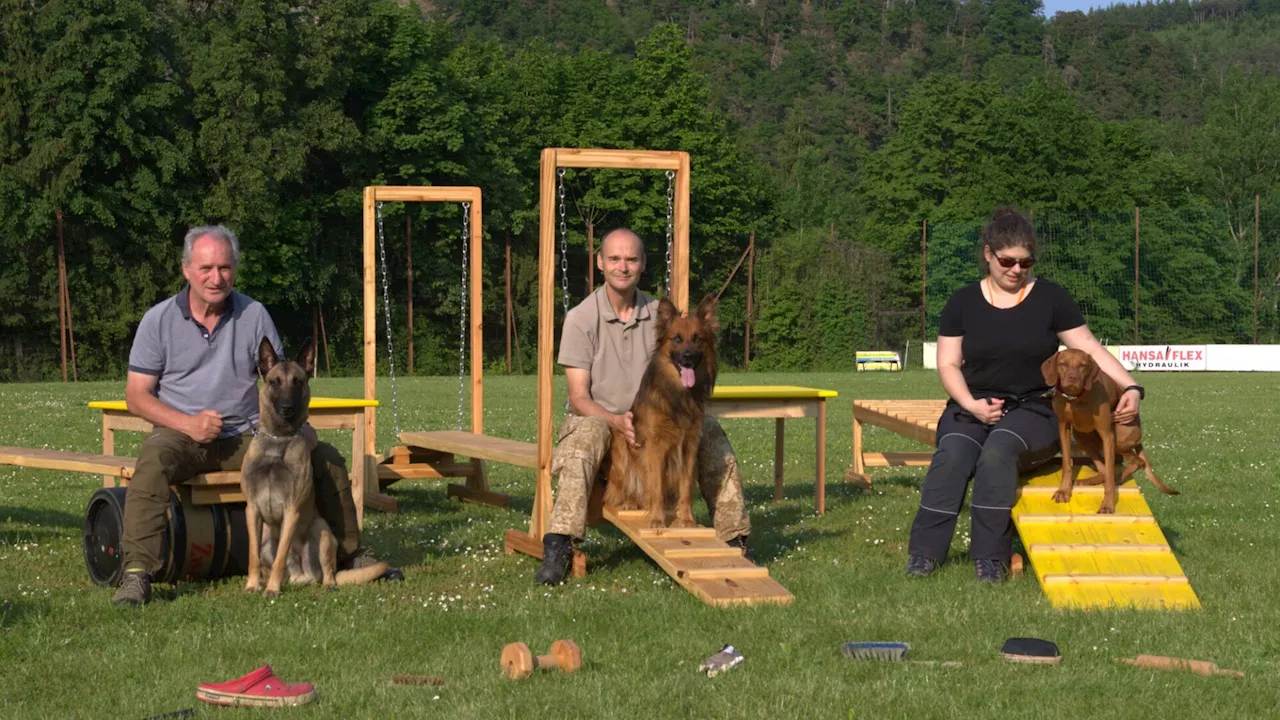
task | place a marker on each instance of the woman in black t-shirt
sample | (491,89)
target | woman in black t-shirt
(992,338)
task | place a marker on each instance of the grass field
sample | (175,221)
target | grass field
(65,652)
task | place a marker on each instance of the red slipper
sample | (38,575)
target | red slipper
(260,688)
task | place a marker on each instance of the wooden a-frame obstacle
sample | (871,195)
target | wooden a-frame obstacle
(710,569)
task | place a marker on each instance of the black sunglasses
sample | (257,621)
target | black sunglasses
(1009,262)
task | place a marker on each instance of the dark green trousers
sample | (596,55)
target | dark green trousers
(168,457)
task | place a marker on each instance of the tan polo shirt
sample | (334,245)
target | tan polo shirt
(616,352)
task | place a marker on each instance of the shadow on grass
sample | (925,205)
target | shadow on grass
(436,515)
(12,613)
(41,517)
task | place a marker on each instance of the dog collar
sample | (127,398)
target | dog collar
(1069,397)
(258,431)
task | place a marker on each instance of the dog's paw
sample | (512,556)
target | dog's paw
(331,586)
(681,522)
(252,588)
(1062,496)
(271,593)
(657,522)
(1107,508)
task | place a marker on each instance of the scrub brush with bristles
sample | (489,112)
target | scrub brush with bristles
(875,650)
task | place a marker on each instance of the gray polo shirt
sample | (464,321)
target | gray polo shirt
(201,368)
(616,352)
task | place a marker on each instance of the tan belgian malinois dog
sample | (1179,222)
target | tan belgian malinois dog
(285,531)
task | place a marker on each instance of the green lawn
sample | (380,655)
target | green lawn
(65,652)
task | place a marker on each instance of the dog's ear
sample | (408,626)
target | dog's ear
(1091,373)
(667,314)
(307,357)
(1049,368)
(706,314)
(267,357)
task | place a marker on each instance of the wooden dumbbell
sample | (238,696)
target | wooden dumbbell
(517,662)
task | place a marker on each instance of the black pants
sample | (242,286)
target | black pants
(992,455)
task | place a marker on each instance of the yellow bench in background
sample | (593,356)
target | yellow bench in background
(877,360)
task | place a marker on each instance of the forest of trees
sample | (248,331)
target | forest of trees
(829,128)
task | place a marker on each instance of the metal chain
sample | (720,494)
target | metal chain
(671,227)
(462,320)
(564,247)
(386,305)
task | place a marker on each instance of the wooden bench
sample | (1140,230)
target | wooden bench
(877,360)
(224,487)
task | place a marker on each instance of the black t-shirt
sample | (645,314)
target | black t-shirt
(1002,349)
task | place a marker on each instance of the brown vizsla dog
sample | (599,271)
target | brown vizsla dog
(1085,400)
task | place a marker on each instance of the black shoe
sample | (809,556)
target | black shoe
(363,558)
(992,571)
(557,554)
(740,542)
(135,590)
(919,566)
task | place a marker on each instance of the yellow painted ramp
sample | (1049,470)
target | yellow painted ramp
(714,572)
(1086,560)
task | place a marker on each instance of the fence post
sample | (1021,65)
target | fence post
(924,278)
(408,253)
(751,266)
(1137,224)
(1256,203)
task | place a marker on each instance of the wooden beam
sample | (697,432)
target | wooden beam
(620,159)
(411,193)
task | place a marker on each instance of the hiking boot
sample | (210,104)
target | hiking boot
(135,590)
(919,566)
(740,542)
(363,558)
(557,554)
(992,571)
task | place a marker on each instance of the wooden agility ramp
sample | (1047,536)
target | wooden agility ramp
(1085,560)
(1082,559)
(714,572)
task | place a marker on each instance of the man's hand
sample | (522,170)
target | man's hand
(308,433)
(625,424)
(987,410)
(1127,408)
(204,426)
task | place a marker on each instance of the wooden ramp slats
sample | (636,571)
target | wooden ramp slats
(714,572)
(479,447)
(1086,560)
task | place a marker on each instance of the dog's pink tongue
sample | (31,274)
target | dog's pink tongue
(686,377)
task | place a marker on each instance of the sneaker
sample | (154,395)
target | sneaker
(135,590)
(919,566)
(260,688)
(557,554)
(740,542)
(363,558)
(992,571)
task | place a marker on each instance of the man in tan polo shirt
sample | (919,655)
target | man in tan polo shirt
(605,348)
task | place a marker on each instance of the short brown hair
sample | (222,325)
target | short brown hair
(1009,228)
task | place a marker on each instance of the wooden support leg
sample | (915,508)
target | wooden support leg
(359,467)
(108,448)
(820,488)
(477,488)
(858,473)
(779,441)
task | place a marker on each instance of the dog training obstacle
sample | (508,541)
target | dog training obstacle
(1086,560)
(1082,559)
(714,572)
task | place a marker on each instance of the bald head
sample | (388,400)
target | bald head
(621,259)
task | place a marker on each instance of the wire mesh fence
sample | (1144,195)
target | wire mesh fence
(1198,274)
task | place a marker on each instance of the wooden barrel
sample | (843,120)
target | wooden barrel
(199,542)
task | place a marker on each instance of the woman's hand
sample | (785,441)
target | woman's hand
(987,410)
(1127,408)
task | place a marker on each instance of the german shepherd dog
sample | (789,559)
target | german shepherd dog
(285,531)
(668,412)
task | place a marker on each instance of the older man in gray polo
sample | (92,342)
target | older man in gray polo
(605,348)
(193,375)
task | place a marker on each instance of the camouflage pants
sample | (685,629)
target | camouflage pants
(582,445)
